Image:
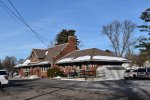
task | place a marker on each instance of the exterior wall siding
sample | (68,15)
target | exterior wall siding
(43,74)
(85,69)
(36,70)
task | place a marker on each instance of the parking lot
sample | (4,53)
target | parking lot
(44,89)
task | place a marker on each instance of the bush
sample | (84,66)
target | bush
(53,72)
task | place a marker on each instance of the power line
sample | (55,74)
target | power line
(9,14)
(22,20)
(33,31)
(16,10)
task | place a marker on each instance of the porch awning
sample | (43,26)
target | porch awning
(32,64)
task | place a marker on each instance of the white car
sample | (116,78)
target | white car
(130,74)
(3,77)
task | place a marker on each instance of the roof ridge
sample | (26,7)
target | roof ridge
(57,45)
(87,49)
(39,49)
(77,51)
(49,47)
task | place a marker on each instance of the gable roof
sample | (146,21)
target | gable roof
(40,53)
(92,54)
(54,51)
(45,54)
(49,53)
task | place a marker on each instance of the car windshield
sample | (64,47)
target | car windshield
(3,73)
(127,71)
(141,70)
(148,69)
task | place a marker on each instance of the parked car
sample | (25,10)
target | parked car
(127,74)
(134,73)
(3,77)
(130,74)
(143,73)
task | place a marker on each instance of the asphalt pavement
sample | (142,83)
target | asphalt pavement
(45,89)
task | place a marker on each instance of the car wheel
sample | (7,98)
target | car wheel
(125,78)
(130,77)
(134,77)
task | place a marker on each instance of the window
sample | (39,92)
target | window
(44,69)
(25,69)
(148,69)
(141,70)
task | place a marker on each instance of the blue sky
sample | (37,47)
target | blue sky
(49,17)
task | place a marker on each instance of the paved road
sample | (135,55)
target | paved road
(43,89)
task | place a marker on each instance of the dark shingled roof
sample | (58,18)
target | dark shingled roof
(54,51)
(91,52)
(40,53)
(76,56)
(48,54)
(45,55)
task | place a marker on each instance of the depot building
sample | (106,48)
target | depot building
(68,59)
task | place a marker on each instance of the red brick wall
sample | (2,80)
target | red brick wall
(43,74)
(31,70)
(91,70)
(21,72)
(71,44)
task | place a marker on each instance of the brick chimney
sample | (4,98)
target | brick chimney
(71,43)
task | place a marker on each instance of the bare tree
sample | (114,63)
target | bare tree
(1,67)
(9,63)
(20,61)
(121,36)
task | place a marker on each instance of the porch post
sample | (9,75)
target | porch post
(21,72)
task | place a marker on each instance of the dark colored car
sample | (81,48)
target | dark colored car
(143,73)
